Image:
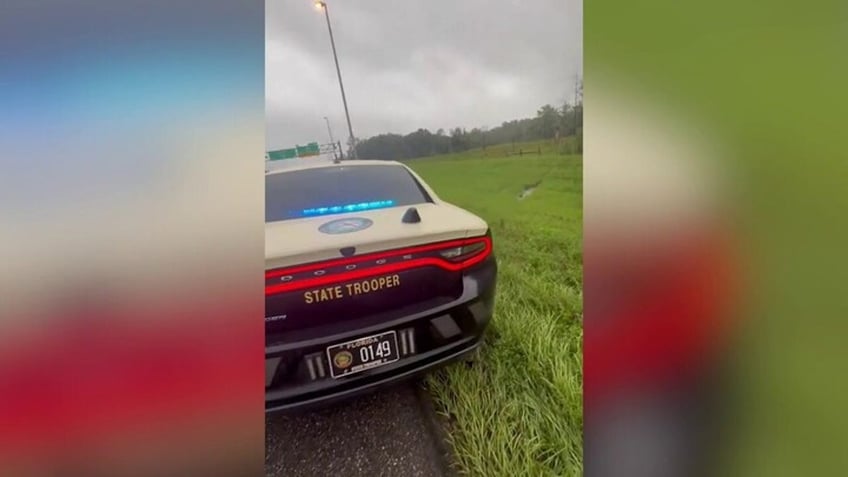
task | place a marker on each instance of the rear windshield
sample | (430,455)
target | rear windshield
(338,190)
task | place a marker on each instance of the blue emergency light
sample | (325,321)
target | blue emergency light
(339,209)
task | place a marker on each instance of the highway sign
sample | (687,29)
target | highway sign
(282,154)
(310,149)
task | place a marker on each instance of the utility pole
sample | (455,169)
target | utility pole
(576,95)
(332,141)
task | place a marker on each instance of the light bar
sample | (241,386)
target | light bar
(338,209)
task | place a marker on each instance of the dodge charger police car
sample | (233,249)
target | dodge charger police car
(370,278)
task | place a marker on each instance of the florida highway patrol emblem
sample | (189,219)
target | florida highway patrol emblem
(343,359)
(343,226)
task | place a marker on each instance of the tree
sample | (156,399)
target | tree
(547,120)
(568,119)
(458,140)
(420,143)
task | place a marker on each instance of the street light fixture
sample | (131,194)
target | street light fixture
(323,6)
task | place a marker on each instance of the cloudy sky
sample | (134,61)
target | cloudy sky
(408,64)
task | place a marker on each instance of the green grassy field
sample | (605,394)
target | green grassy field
(518,409)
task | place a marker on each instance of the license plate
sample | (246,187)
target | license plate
(362,354)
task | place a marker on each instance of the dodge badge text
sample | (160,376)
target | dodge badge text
(351,289)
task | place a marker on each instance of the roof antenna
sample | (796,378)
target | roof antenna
(411,216)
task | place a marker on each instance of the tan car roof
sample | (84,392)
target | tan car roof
(288,165)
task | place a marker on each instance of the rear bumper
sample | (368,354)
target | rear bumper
(362,384)
(297,372)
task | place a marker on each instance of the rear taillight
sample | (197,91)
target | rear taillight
(463,252)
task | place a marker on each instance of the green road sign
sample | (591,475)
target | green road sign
(282,154)
(310,149)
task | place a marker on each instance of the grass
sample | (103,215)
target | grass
(518,409)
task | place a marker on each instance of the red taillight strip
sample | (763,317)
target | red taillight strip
(365,258)
(378,270)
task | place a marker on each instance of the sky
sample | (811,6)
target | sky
(413,64)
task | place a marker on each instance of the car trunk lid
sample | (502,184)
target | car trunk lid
(299,241)
(325,280)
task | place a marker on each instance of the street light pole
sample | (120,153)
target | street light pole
(330,132)
(323,6)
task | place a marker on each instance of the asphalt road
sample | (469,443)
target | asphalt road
(387,433)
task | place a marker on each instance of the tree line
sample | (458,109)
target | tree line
(550,121)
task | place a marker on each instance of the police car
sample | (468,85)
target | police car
(370,278)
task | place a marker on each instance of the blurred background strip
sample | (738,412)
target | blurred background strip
(715,232)
(131,215)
